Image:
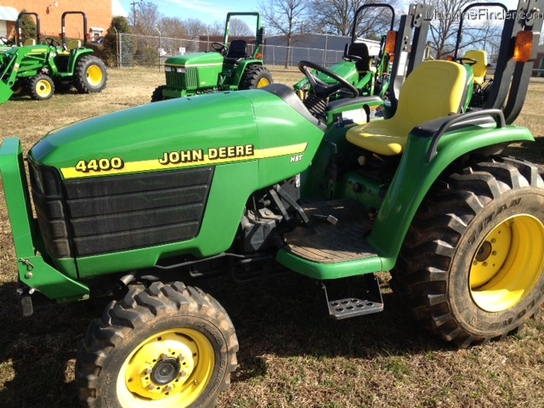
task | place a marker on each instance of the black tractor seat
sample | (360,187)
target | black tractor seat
(237,51)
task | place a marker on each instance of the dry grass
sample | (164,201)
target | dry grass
(290,354)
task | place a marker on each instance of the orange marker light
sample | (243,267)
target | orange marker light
(524,46)
(390,42)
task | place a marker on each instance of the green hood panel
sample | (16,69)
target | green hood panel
(199,131)
(199,58)
(346,70)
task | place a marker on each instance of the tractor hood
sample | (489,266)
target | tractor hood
(189,132)
(199,58)
(32,49)
(346,70)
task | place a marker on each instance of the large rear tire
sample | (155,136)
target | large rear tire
(168,346)
(471,269)
(256,76)
(40,87)
(90,74)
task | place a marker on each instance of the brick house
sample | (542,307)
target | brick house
(99,14)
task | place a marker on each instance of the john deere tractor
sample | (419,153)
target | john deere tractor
(359,67)
(140,204)
(380,75)
(477,59)
(38,68)
(230,67)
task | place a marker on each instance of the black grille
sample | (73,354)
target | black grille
(175,79)
(118,213)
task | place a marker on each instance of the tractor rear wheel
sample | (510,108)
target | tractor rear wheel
(90,74)
(471,269)
(40,87)
(256,76)
(168,346)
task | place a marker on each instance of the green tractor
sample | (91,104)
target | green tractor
(231,67)
(141,203)
(38,69)
(477,59)
(372,75)
(368,73)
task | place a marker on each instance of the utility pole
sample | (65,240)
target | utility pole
(133,5)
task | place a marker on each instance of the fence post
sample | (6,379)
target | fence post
(117,47)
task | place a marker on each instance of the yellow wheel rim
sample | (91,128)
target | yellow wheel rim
(94,75)
(507,263)
(43,88)
(263,82)
(169,369)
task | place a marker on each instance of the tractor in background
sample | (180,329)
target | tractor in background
(367,71)
(401,51)
(243,183)
(230,67)
(38,68)
(477,60)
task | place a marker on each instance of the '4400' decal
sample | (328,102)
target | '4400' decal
(115,163)
(177,159)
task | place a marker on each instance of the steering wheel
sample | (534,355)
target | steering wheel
(52,42)
(466,60)
(219,47)
(351,58)
(6,41)
(322,89)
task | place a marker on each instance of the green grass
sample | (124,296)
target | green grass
(290,355)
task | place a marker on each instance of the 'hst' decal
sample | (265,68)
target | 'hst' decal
(181,158)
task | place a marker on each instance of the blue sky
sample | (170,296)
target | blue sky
(208,11)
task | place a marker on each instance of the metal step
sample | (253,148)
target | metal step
(352,306)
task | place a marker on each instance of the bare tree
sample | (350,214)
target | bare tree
(477,32)
(336,17)
(145,18)
(172,27)
(239,28)
(216,28)
(283,17)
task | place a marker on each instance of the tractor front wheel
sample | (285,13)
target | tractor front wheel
(256,76)
(156,96)
(471,268)
(90,75)
(168,346)
(40,87)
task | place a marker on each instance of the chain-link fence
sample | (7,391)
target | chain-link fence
(139,50)
(152,51)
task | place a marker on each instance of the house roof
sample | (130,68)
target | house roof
(8,13)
